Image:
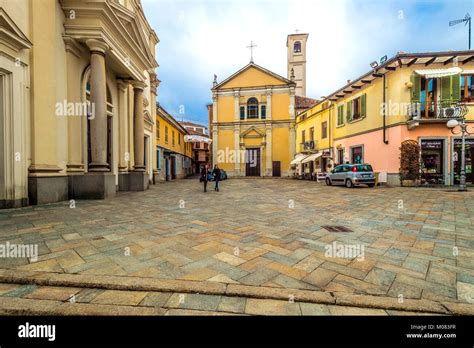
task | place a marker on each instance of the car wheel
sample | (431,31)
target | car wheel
(349,183)
(328,182)
(371,185)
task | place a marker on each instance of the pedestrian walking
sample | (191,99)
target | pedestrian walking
(217,177)
(203,177)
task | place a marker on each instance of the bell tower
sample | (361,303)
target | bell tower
(296,45)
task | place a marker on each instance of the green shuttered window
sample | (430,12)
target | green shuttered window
(340,115)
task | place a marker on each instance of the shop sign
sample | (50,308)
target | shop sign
(458,142)
(432,144)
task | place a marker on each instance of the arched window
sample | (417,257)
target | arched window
(252,108)
(297,47)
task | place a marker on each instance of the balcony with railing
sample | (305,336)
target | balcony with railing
(308,146)
(435,111)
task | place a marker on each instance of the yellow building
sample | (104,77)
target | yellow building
(173,153)
(253,115)
(77,92)
(410,96)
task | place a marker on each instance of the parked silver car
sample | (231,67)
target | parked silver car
(351,175)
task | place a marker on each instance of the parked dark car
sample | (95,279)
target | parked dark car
(351,175)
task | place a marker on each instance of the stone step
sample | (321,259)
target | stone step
(132,291)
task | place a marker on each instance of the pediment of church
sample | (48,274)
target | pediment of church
(252,132)
(125,31)
(11,35)
(253,75)
(138,37)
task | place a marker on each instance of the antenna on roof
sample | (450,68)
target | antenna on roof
(466,20)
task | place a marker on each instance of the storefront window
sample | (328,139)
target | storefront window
(469,146)
(432,161)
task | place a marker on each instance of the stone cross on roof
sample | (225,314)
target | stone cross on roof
(251,50)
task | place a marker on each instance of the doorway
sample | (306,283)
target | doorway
(173,167)
(146,154)
(109,141)
(428,97)
(432,161)
(252,162)
(324,164)
(167,168)
(276,168)
(469,148)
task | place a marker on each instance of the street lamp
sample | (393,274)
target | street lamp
(451,125)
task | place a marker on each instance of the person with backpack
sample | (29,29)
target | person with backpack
(217,177)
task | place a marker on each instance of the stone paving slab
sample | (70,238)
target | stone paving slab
(249,235)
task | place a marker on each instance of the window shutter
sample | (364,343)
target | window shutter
(456,88)
(263,111)
(242,112)
(363,104)
(445,89)
(416,81)
(349,111)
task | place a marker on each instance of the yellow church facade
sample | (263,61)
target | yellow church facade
(252,120)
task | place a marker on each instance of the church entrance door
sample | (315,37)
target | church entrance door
(252,162)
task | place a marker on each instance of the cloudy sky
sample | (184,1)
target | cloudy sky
(200,38)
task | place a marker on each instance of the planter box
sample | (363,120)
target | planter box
(411,183)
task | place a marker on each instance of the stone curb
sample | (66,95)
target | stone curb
(412,305)
(297,295)
(111,282)
(31,307)
(21,306)
(232,290)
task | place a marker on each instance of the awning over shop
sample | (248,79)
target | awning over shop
(437,73)
(197,139)
(298,158)
(312,157)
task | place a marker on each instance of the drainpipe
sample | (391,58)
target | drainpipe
(384,110)
(330,128)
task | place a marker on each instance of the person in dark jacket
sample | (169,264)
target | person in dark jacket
(203,178)
(217,177)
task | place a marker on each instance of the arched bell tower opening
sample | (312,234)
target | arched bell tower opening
(296,45)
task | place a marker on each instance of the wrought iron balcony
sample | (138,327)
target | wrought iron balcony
(308,146)
(436,110)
